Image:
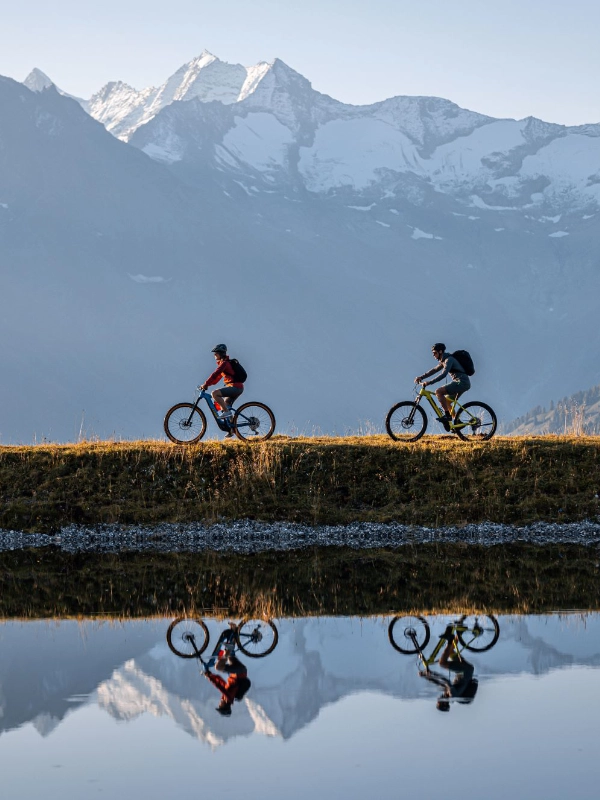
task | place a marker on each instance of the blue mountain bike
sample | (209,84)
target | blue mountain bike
(185,423)
(188,637)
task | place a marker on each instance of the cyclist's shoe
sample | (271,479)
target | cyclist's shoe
(230,435)
(445,421)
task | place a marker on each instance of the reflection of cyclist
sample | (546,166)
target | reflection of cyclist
(464,686)
(460,380)
(236,685)
(232,389)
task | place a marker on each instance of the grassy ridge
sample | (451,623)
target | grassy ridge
(426,579)
(438,480)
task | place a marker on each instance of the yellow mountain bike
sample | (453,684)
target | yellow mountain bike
(407,421)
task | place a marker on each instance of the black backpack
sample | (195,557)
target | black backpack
(243,685)
(464,359)
(239,373)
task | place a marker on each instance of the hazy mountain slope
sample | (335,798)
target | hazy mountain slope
(327,244)
(108,275)
(576,415)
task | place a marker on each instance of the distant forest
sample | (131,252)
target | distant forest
(576,415)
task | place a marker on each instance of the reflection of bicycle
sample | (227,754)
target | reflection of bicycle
(407,421)
(185,423)
(410,635)
(188,638)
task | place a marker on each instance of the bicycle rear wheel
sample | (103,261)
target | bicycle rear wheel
(257,637)
(185,424)
(406,422)
(184,633)
(482,635)
(409,634)
(479,422)
(254,422)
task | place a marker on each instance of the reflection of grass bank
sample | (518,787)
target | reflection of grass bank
(426,578)
(438,480)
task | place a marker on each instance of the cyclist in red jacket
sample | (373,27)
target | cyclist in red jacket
(232,389)
(236,685)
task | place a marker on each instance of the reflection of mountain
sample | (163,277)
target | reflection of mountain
(48,669)
(317,662)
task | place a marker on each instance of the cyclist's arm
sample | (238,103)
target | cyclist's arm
(434,677)
(216,680)
(445,371)
(429,372)
(214,377)
(227,688)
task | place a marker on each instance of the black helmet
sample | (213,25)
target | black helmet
(439,346)
(219,348)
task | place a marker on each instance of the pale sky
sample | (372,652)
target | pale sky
(511,58)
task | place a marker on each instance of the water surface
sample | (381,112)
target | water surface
(90,709)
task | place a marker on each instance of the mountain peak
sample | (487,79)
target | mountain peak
(197,63)
(37,80)
(266,79)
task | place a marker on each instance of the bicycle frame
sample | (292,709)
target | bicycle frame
(224,425)
(455,406)
(226,638)
(427,662)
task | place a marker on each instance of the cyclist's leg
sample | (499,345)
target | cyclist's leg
(225,396)
(218,399)
(451,392)
(231,665)
(445,396)
(229,394)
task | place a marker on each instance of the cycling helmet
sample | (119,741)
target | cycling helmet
(219,348)
(439,346)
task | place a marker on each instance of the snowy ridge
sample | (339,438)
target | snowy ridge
(122,109)
(328,146)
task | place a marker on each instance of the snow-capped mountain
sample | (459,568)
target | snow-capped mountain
(275,118)
(37,81)
(123,109)
(329,244)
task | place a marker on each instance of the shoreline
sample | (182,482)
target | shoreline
(246,537)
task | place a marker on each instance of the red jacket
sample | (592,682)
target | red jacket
(224,370)
(229,688)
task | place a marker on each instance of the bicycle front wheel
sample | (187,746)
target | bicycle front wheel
(257,637)
(254,422)
(409,634)
(185,424)
(478,422)
(187,638)
(406,422)
(482,634)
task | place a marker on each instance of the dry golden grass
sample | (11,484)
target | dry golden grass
(438,480)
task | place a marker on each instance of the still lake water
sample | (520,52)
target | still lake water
(105,709)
